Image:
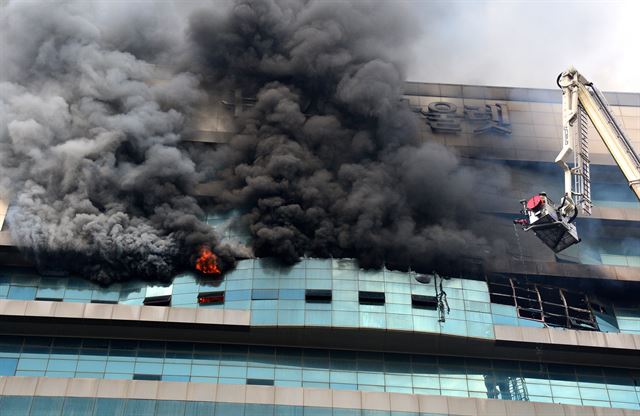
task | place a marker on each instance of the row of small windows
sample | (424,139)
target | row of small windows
(249,381)
(310,296)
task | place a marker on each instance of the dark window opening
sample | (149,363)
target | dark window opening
(147,377)
(550,305)
(264,294)
(371,298)
(49,299)
(164,300)
(424,302)
(317,296)
(501,292)
(211,298)
(107,302)
(260,382)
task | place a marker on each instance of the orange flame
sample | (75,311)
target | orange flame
(207,261)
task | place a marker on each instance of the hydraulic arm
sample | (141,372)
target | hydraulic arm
(581,101)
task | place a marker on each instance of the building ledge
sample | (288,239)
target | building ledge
(567,337)
(556,269)
(291,396)
(120,312)
(41,318)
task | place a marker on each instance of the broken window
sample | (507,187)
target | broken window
(211,298)
(137,376)
(317,296)
(371,298)
(158,296)
(260,382)
(424,302)
(106,302)
(556,307)
(158,300)
(49,299)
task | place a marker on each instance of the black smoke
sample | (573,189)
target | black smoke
(328,162)
(95,99)
(91,118)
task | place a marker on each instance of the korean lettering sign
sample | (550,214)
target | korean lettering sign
(443,117)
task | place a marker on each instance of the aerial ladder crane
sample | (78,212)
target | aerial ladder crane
(581,101)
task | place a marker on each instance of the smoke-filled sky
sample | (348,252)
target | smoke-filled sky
(527,43)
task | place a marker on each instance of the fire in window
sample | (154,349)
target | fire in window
(211,298)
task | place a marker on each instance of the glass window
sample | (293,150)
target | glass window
(22,292)
(51,288)
(264,294)
(372,320)
(148,368)
(77,406)
(265,317)
(258,409)
(291,294)
(32,364)
(170,408)
(46,406)
(227,409)
(238,295)
(8,366)
(91,366)
(136,407)
(62,365)
(321,318)
(108,407)
(15,405)
(319,274)
(199,409)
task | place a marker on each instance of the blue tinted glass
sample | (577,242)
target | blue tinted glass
(346,412)
(137,407)
(8,366)
(62,365)
(170,408)
(291,294)
(77,406)
(15,405)
(108,407)
(229,409)
(51,289)
(22,292)
(32,364)
(264,294)
(258,410)
(288,411)
(119,367)
(235,295)
(317,411)
(199,409)
(46,406)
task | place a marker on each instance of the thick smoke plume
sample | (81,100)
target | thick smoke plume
(89,133)
(328,161)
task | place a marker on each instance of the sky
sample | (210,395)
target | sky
(527,43)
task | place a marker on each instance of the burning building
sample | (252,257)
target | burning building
(292,229)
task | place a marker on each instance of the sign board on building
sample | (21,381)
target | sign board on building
(443,117)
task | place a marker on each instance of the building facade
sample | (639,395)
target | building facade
(531,333)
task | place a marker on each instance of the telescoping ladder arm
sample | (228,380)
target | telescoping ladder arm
(580,98)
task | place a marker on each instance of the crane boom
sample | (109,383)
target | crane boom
(580,100)
(612,135)
(579,96)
